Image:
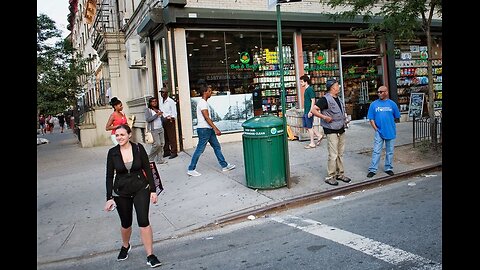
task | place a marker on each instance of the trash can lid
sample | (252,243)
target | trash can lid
(263,121)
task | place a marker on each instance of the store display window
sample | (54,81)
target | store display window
(242,67)
(320,59)
(362,72)
(411,69)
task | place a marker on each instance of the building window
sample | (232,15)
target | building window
(236,64)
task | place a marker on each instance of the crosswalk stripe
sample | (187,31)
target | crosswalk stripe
(368,246)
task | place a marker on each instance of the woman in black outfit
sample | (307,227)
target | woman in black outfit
(122,160)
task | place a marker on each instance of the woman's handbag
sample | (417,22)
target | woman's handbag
(148,133)
(156,178)
(148,137)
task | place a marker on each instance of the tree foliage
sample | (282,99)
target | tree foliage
(58,69)
(400,18)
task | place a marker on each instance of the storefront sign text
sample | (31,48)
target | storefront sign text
(244,66)
(314,68)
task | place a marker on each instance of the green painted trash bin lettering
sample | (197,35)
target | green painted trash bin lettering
(263,152)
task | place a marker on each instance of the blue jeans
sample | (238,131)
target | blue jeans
(207,135)
(377,152)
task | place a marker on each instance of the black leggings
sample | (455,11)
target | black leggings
(141,201)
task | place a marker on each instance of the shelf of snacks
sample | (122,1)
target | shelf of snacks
(411,66)
(267,80)
(321,65)
(360,84)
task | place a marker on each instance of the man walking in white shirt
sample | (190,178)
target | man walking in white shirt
(207,132)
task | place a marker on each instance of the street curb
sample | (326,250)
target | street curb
(317,196)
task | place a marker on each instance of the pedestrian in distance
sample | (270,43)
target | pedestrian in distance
(116,119)
(382,114)
(333,119)
(308,117)
(50,123)
(41,122)
(72,122)
(207,132)
(61,122)
(169,108)
(153,116)
(122,160)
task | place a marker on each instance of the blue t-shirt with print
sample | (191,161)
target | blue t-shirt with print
(384,112)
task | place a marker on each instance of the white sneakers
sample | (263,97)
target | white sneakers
(193,173)
(225,169)
(228,167)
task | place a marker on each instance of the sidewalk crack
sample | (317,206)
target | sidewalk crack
(67,238)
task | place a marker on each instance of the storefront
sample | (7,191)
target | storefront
(411,73)
(242,66)
(239,58)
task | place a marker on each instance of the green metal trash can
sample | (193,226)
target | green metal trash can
(263,152)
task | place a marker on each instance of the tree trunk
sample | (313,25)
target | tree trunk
(431,92)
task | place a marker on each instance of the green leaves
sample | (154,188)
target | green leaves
(399,18)
(58,69)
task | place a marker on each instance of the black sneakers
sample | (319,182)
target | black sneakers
(389,173)
(370,174)
(153,261)
(123,255)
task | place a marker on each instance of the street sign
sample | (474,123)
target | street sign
(273,3)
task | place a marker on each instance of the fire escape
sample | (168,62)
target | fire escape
(108,38)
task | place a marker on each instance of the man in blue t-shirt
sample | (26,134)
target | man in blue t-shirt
(382,113)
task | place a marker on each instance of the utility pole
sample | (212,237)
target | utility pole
(282,83)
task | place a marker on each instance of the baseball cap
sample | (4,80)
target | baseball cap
(330,82)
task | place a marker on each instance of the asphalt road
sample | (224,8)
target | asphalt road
(397,226)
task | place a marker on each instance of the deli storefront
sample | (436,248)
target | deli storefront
(239,58)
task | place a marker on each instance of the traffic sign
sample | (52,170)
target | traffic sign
(273,3)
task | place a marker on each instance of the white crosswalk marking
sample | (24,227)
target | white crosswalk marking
(368,246)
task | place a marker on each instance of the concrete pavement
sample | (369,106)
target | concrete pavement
(71,222)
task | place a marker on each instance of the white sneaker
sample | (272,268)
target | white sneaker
(228,168)
(193,173)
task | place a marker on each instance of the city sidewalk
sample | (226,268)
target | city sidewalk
(71,222)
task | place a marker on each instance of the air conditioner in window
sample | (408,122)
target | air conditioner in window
(134,55)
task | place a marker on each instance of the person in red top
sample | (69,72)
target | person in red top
(116,119)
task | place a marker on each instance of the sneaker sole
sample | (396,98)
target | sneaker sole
(119,260)
(155,265)
(332,184)
(226,170)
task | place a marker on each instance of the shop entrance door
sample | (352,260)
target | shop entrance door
(361,78)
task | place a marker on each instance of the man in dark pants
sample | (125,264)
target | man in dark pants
(169,108)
